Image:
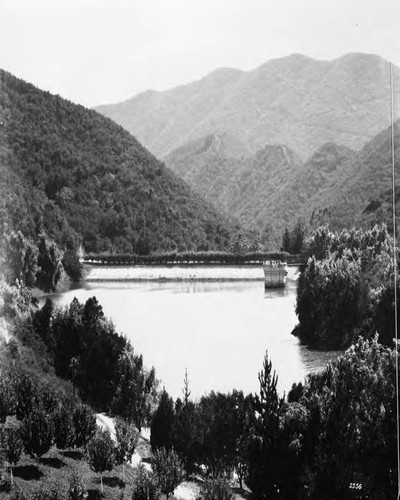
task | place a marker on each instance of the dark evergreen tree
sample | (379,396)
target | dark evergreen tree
(287,241)
(298,237)
(72,265)
(42,323)
(186,433)
(135,389)
(265,465)
(64,435)
(84,424)
(25,392)
(37,432)
(162,424)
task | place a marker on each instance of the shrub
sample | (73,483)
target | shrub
(5,481)
(168,470)
(215,489)
(48,492)
(145,486)
(76,488)
(18,494)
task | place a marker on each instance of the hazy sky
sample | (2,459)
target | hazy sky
(100,51)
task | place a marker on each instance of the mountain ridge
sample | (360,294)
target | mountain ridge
(273,188)
(293,100)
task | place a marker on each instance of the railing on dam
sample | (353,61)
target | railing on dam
(190,258)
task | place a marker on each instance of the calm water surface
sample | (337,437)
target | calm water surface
(218,331)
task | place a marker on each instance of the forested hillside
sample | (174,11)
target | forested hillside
(242,186)
(273,188)
(295,100)
(76,176)
(362,193)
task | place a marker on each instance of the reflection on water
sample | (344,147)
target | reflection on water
(219,331)
(312,363)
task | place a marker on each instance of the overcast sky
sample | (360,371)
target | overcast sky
(101,51)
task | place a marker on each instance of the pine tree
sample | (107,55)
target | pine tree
(286,241)
(265,471)
(162,424)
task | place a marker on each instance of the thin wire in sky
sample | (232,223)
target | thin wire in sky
(395,276)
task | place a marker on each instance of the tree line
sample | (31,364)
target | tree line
(78,177)
(223,258)
(101,364)
(328,436)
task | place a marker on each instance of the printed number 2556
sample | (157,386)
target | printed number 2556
(355,486)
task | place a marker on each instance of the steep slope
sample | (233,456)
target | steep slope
(362,193)
(240,185)
(83,179)
(273,188)
(296,101)
(305,189)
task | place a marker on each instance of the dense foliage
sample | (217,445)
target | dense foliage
(344,286)
(33,263)
(240,185)
(101,363)
(79,344)
(293,241)
(215,489)
(339,433)
(36,409)
(211,433)
(145,485)
(77,177)
(331,433)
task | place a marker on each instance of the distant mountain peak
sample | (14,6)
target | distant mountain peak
(360,56)
(293,100)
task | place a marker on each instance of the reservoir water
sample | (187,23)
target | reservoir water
(218,331)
